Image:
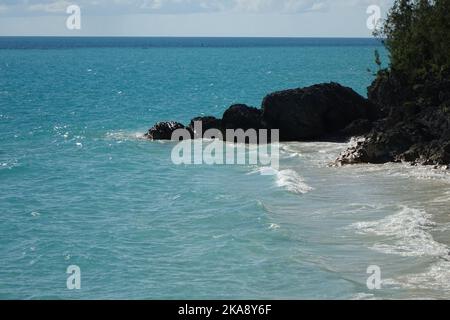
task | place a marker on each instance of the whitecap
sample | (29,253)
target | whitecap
(405,233)
(292,182)
(274,226)
(268,171)
(264,171)
(287,179)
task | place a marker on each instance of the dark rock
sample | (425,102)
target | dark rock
(357,128)
(163,130)
(416,123)
(377,148)
(431,153)
(207,124)
(241,116)
(315,112)
(419,140)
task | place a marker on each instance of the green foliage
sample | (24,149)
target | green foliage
(417,36)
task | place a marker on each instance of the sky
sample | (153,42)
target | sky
(237,18)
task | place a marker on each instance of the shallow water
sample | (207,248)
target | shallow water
(80,187)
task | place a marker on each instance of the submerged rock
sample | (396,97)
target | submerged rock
(315,112)
(163,130)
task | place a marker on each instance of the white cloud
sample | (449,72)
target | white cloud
(171,6)
(287,18)
(118,9)
(52,7)
(295,6)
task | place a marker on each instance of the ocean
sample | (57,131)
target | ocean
(80,187)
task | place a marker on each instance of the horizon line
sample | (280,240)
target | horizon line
(188,37)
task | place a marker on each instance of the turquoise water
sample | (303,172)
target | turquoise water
(80,187)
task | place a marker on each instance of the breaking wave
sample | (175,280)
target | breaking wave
(406,233)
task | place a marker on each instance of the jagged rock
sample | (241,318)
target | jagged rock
(377,148)
(423,139)
(163,130)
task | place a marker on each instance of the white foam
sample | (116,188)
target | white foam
(363,296)
(9,165)
(436,277)
(292,155)
(274,226)
(265,171)
(287,179)
(124,136)
(292,182)
(406,233)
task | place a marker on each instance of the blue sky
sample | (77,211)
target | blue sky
(302,18)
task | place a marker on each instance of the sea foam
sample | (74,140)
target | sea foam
(287,179)
(292,182)
(405,233)
(124,136)
(436,277)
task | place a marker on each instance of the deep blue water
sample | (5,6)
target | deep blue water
(80,187)
(184,42)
